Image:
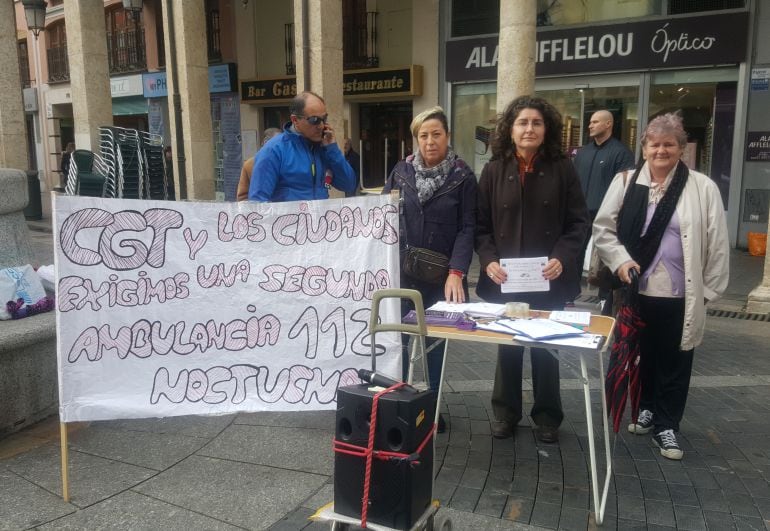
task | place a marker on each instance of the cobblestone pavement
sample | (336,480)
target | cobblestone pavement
(273,470)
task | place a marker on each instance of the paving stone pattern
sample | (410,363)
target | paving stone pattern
(274,470)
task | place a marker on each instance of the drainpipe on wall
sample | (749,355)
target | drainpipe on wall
(306,46)
(177,103)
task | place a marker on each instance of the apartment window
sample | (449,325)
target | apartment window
(213,31)
(56,52)
(354,33)
(359,35)
(475,17)
(125,41)
(288,49)
(24,64)
(160,35)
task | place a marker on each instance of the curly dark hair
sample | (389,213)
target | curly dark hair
(502,144)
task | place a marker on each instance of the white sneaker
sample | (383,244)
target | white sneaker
(669,448)
(643,423)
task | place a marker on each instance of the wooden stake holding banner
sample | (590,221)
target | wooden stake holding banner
(65,476)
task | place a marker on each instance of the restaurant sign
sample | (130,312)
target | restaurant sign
(369,83)
(650,44)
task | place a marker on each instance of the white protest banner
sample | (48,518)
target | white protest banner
(178,308)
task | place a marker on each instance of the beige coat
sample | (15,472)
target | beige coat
(704,242)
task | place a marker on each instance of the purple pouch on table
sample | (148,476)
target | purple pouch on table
(437,318)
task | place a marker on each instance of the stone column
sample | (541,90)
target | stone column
(516,51)
(89,70)
(759,298)
(13,138)
(189,91)
(425,51)
(319,61)
(15,249)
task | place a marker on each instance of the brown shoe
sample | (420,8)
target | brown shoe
(502,430)
(547,434)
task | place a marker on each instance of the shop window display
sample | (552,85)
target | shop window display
(473,122)
(706,100)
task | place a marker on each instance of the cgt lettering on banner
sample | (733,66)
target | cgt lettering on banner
(111,228)
(608,45)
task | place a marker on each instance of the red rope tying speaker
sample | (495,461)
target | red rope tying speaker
(369,452)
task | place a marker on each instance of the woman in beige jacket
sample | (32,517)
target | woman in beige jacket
(668,223)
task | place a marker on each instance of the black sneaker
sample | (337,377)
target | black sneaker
(643,423)
(669,448)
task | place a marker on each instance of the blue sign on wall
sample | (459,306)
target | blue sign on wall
(222,78)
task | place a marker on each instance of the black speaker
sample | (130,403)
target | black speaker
(400,491)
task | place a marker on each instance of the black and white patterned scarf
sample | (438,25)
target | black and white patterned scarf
(428,180)
(633,215)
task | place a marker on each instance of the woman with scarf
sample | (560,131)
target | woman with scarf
(438,211)
(667,222)
(530,205)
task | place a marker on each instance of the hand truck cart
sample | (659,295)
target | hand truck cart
(429,520)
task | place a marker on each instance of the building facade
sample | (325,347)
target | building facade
(637,59)
(137,78)
(708,60)
(389,58)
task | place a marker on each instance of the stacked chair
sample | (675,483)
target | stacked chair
(130,166)
(155,182)
(88,174)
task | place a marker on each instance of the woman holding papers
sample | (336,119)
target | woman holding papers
(667,222)
(530,205)
(438,212)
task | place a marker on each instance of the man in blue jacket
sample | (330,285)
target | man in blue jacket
(293,166)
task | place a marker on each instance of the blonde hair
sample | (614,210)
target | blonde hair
(434,113)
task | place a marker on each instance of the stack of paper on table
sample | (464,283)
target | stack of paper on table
(592,341)
(471,309)
(536,329)
(543,331)
(572,317)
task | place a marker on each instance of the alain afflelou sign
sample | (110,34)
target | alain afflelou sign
(651,44)
(368,83)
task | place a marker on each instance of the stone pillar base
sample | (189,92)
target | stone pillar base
(759,300)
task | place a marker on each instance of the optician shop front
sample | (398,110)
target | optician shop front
(636,70)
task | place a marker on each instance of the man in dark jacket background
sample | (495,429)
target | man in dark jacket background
(597,163)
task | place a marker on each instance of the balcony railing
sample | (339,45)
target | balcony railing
(24,66)
(359,42)
(213,37)
(58,64)
(288,49)
(126,51)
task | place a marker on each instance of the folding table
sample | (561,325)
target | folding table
(601,325)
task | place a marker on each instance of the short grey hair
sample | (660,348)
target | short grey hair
(270,132)
(666,124)
(434,113)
